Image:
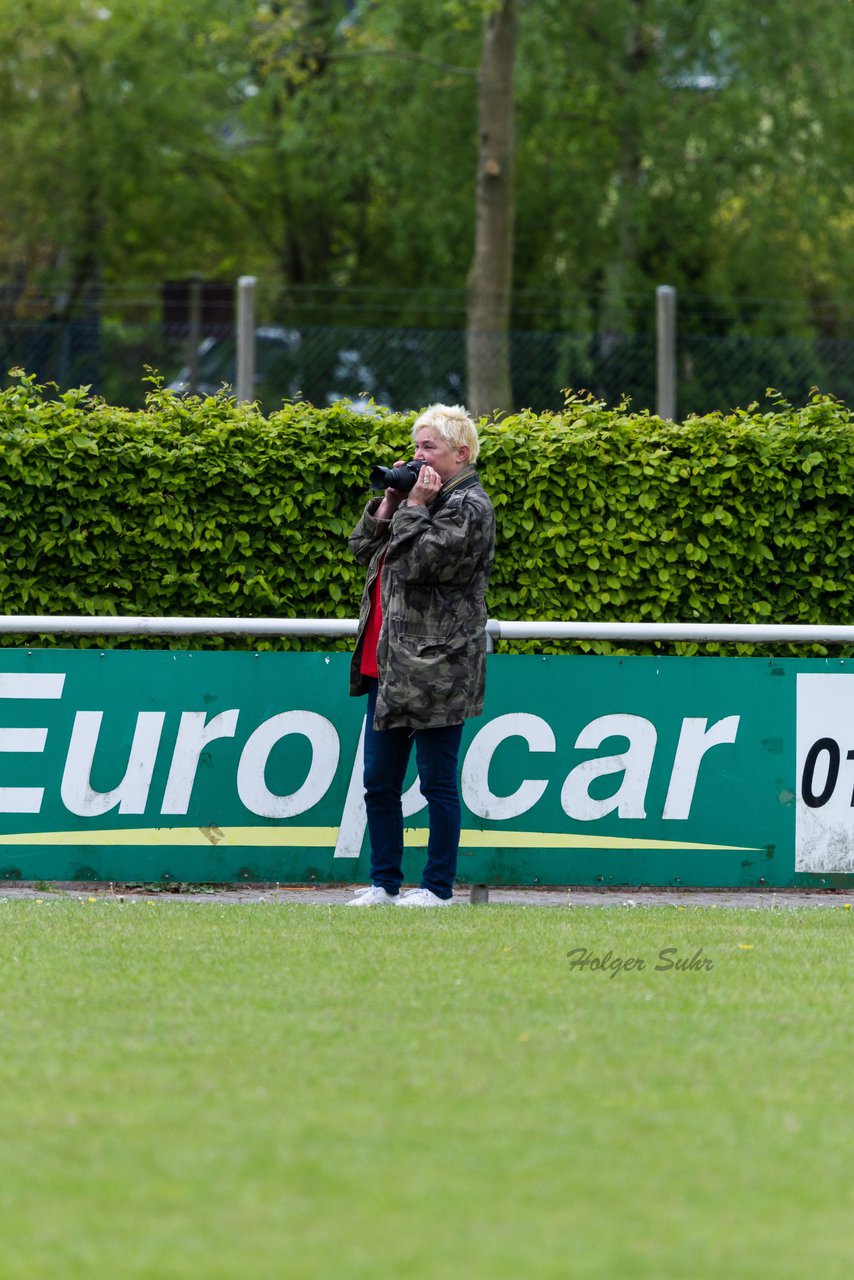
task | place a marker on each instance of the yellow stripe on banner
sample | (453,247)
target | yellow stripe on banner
(326,838)
(258,837)
(564,840)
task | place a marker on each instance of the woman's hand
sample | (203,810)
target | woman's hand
(425,489)
(392,499)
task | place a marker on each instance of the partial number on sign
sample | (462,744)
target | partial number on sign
(824,829)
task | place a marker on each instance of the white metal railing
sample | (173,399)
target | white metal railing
(731,632)
(75,625)
(704,632)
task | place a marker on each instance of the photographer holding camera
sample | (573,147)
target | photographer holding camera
(428,544)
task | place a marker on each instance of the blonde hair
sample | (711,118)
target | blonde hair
(452,423)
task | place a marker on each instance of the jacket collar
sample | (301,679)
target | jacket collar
(462,480)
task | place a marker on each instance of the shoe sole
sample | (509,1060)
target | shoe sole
(416,906)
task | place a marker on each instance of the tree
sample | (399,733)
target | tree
(328,146)
(490,280)
(702,145)
(113,116)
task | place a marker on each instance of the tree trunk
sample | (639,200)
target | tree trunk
(490,280)
(621,274)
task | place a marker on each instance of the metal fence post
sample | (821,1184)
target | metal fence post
(665,345)
(245,380)
(194,333)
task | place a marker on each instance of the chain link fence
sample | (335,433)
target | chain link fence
(409,368)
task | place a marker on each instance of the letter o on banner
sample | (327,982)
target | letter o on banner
(325,748)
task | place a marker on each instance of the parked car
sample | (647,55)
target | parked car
(399,368)
(277,366)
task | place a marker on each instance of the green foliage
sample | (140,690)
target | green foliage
(119,108)
(705,145)
(202,508)
(185,508)
(611,515)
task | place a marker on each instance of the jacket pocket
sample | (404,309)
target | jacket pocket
(421,644)
(429,638)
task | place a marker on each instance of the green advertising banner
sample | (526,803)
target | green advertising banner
(221,767)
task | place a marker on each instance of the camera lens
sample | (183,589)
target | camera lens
(401,478)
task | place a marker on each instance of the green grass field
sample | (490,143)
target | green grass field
(259,1091)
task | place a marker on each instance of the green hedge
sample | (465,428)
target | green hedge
(743,517)
(199,507)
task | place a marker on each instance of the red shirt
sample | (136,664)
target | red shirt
(368,663)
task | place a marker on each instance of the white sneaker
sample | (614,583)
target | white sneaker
(372,895)
(423,898)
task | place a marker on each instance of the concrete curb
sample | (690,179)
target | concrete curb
(332,895)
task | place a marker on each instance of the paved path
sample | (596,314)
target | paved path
(324,895)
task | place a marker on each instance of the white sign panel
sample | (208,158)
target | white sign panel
(824,824)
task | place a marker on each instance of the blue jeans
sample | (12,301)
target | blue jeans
(387,753)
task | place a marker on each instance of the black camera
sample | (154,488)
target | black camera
(402,478)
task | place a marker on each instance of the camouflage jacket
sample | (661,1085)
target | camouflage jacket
(432,646)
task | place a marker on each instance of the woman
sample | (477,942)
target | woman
(421,647)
